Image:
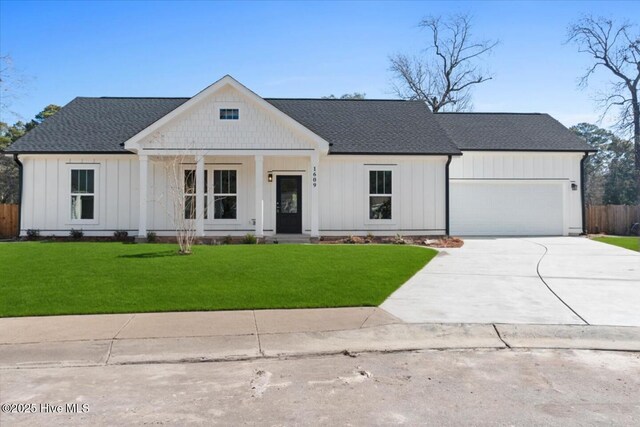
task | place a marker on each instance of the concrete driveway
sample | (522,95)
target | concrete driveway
(547,280)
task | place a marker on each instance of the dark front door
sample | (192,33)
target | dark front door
(289,204)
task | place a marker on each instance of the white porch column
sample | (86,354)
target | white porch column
(142,211)
(200,196)
(315,208)
(259,204)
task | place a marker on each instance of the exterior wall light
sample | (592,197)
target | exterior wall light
(574,186)
(270,177)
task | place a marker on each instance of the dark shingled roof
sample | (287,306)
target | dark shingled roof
(97,125)
(102,125)
(509,132)
(370,126)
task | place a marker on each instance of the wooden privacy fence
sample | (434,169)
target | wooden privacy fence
(8,220)
(612,219)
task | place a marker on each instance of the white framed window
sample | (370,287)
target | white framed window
(225,194)
(220,194)
(83,201)
(380,195)
(229,113)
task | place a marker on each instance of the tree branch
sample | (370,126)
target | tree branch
(445,75)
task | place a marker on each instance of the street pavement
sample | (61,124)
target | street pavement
(433,387)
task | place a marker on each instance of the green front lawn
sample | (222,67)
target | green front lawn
(39,278)
(632,243)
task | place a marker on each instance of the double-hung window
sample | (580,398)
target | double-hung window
(380,194)
(82,194)
(225,194)
(224,197)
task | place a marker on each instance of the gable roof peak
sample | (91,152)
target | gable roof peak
(133,143)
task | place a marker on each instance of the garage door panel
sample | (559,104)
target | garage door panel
(502,208)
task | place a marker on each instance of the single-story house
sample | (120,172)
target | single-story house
(314,167)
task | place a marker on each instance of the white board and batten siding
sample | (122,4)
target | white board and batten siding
(515,193)
(418,195)
(46,199)
(417,198)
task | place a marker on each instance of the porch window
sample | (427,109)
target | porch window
(82,194)
(225,194)
(380,194)
(206,194)
(189,194)
(229,114)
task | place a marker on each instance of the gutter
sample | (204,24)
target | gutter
(446,194)
(20,174)
(582,191)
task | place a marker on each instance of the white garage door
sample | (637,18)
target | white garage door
(506,208)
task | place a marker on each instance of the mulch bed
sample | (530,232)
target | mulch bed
(430,241)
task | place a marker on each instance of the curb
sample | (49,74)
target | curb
(376,339)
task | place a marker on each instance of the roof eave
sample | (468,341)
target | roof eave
(65,152)
(533,150)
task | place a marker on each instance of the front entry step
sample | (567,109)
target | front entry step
(288,238)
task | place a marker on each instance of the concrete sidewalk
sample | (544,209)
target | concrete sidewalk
(96,340)
(24,330)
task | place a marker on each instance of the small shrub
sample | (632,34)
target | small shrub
(399,240)
(370,238)
(33,234)
(121,235)
(227,240)
(76,234)
(152,237)
(249,239)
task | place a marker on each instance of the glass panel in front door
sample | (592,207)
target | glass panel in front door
(289,196)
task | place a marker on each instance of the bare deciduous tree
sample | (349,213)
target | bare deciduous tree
(179,198)
(181,203)
(11,85)
(444,76)
(615,48)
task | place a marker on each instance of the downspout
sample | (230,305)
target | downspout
(20,169)
(446,194)
(582,191)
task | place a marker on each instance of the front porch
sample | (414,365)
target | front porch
(230,193)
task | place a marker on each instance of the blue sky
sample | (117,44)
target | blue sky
(288,49)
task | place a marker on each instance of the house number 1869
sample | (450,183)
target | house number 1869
(315,177)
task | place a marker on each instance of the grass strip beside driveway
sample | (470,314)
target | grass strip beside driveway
(627,242)
(40,278)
